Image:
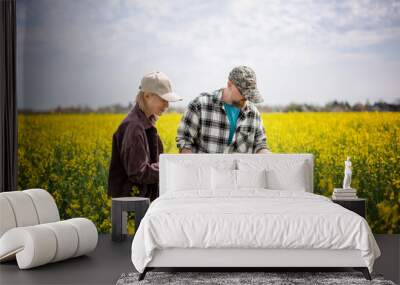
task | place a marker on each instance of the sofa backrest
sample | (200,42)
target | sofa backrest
(232,161)
(26,208)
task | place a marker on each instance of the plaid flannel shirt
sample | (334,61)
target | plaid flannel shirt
(204,128)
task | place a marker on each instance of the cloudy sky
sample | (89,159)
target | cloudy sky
(91,52)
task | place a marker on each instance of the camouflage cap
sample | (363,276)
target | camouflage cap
(244,78)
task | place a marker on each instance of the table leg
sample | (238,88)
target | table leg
(124,224)
(140,211)
(116,221)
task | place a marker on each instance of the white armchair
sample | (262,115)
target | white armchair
(32,233)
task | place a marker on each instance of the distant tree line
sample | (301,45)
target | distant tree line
(333,106)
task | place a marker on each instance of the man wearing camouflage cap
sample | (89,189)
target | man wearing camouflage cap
(226,120)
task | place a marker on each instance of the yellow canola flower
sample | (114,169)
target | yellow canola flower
(69,155)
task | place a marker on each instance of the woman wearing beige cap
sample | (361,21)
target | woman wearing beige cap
(136,145)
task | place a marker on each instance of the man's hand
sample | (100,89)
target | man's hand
(264,150)
(186,150)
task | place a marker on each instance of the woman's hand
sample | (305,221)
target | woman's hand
(186,150)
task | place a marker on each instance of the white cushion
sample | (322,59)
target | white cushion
(280,175)
(33,246)
(7,218)
(184,173)
(67,240)
(229,161)
(251,178)
(45,205)
(287,178)
(23,208)
(226,179)
(188,177)
(223,179)
(87,235)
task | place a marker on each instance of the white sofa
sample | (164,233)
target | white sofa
(31,231)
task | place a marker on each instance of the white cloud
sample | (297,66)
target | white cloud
(91,49)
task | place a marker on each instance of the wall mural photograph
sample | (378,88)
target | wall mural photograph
(103,88)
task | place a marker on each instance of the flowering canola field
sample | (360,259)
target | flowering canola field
(69,156)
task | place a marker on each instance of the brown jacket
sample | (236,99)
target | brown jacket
(136,147)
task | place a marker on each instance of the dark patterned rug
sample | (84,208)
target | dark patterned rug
(225,278)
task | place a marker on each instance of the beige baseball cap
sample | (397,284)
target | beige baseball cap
(158,83)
